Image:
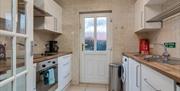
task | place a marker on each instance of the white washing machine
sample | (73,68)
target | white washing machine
(178,87)
(125,73)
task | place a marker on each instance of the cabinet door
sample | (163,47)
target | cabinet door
(142,14)
(139,15)
(154,81)
(64,71)
(134,76)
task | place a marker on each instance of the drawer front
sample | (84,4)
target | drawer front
(155,81)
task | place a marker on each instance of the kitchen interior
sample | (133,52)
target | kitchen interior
(90,45)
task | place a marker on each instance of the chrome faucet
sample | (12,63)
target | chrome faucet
(165,53)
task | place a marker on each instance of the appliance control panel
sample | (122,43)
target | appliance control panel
(47,64)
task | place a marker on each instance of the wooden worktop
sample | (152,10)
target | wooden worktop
(6,65)
(40,58)
(171,71)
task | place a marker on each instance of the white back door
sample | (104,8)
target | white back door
(96,47)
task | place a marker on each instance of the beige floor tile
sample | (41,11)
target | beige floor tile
(76,88)
(87,87)
(96,89)
(96,85)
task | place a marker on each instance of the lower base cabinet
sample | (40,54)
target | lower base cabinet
(134,75)
(64,71)
(155,81)
(144,78)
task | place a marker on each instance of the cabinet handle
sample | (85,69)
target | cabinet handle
(146,81)
(141,19)
(137,76)
(55,24)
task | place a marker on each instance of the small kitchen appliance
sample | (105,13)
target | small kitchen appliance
(144,46)
(2,52)
(51,47)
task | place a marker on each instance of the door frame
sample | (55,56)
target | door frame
(29,38)
(109,45)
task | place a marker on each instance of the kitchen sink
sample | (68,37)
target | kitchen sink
(172,61)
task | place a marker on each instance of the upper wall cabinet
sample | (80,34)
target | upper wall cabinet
(142,14)
(53,22)
(163,9)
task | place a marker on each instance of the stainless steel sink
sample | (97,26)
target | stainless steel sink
(155,58)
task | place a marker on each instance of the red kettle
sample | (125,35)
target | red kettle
(144,46)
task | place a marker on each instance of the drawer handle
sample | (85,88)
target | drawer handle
(145,80)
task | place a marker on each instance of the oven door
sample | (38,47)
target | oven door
(41,83)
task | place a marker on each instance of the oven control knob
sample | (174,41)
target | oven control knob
(43,65)
(54,62)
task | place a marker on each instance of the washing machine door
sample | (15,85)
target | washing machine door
(123,76)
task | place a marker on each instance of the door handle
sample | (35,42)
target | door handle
(141,19)
(82,47)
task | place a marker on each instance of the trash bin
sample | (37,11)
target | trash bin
(115,83)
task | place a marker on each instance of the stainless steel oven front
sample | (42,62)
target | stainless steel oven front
(43,68)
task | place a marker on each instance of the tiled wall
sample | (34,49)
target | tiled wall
(169,33)
(40,40)
(123,35)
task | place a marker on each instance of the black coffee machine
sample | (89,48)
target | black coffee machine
(51,47)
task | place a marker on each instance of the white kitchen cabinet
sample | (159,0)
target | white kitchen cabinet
(134,75)
(154,81)
(142,14)
(51,23)
(46,24)
(57,13)
(64,71)
(44,5)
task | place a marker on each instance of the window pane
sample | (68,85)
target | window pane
(21,83)
(101,33)
(21,26)
(7,87)
(5,57)
(89,34)
(6,15)
(20,54)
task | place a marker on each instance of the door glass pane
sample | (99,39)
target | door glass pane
(21,83)
(20,54)
(101,33)
(6,15)
(5,57)
(89,34)
(7,87)
(21,26)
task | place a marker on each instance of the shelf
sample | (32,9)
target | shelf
(4,23)
(172,10)
(48,31)
(155,2)
(40,13)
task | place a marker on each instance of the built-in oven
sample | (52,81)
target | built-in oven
(47,81)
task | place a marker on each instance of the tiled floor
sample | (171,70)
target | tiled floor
(87,87)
